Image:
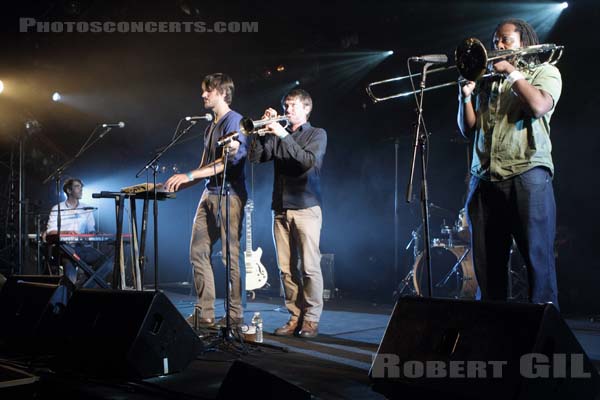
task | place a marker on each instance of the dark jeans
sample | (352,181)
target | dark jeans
(522,207)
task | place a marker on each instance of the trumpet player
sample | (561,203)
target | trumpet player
(217,94)
(297,152)
(510,192)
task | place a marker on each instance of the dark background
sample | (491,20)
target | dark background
(334,49)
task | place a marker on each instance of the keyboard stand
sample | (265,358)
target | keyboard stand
(93,275)
(139,260)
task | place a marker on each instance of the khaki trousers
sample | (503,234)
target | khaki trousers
(297,234)
(204,235)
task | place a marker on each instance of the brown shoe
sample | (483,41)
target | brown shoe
(288,329)
(310,329)
(204,323)
(233,322)
(200,323)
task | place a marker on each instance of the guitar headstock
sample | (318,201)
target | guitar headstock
(249,206)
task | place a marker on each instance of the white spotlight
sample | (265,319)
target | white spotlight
(389,53)
(297,83)
(56,96)
(563,5)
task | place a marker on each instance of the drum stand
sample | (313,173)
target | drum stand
(406,282)
(453,271)
(514,276)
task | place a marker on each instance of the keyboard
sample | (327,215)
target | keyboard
(143,188)
(81,237)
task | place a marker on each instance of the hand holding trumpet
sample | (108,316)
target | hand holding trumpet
(274,128)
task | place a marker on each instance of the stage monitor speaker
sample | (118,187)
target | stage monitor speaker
(125,334)
(462,349)
(263,384)
(30,310)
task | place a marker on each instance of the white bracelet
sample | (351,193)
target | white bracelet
(514,76)
(190,176)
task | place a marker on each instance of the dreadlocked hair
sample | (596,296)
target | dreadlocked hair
(528,35)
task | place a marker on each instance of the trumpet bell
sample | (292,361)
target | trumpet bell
(471,59)
(246,126)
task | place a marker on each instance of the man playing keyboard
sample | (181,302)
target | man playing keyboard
(75,218)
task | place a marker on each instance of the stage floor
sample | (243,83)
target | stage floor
(334,365)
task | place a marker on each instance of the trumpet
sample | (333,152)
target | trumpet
(248,126)
(474,62)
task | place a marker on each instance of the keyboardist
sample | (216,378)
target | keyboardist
(75,218)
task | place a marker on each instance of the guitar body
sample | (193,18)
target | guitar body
(256,273)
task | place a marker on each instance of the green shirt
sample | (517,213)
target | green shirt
(508,140)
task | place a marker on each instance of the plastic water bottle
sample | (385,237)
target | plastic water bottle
(258,325)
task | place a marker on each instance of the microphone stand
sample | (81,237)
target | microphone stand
(396,214)
(57,174)
(420,144)
(226,332)
(154,165)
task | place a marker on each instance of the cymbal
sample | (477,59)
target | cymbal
(439,211)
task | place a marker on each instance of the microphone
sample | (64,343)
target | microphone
(206,116)
(223,140)
(431,59)
(117,125)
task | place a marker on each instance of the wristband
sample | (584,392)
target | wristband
(467,99)
(190,176)
(283,136)
(514,76)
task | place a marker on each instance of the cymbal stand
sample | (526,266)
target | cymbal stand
(407,281)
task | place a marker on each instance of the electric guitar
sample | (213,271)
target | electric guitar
(256,273)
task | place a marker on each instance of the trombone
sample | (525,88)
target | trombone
(473,62)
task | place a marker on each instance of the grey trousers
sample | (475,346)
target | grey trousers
(297,234)
(204,235)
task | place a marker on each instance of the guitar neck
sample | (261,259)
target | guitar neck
(248,231)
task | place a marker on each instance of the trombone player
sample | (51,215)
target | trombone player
(510,192)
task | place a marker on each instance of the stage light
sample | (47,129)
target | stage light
(56,96)
(563,5)
(389,53)
(1,86)
(32,126)
(297,83)
(280,68)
